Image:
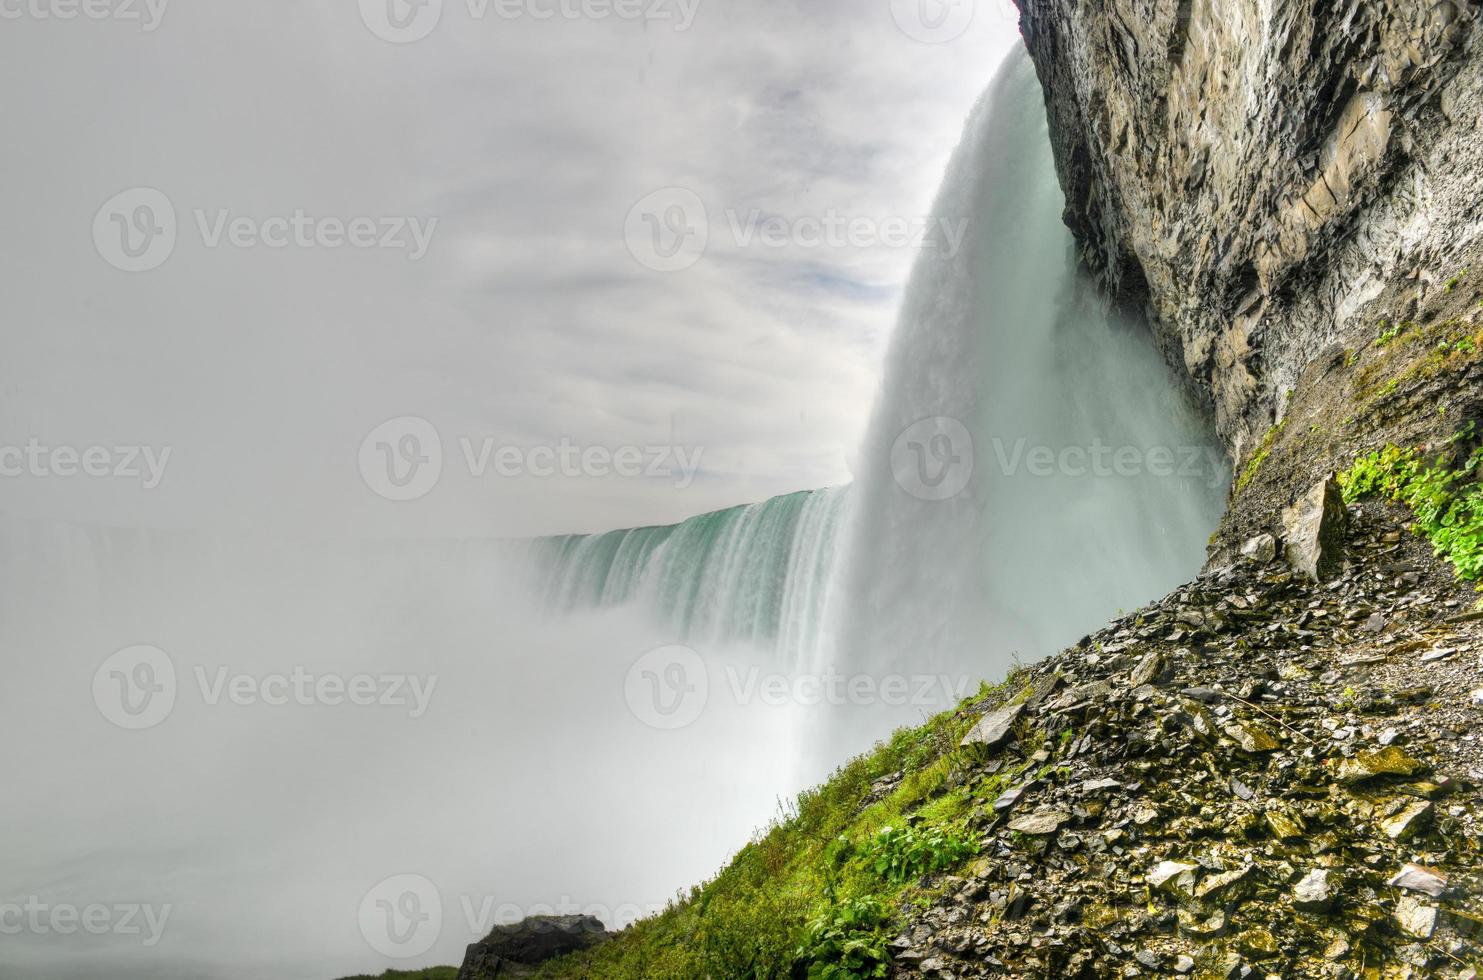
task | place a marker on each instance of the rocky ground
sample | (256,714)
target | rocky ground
(1258,776)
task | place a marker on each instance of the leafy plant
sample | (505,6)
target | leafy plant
(848,941)
(1447,502)
(901,854)
(1388,333)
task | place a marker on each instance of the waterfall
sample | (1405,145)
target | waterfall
(1032,465)
(758,574)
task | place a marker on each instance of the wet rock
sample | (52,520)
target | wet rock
(1415,918)
(1418,878)
(1007,799)
(1253,738)
(1284,826)
(1176,872)
(992,729)
(1199,927)
(512,950)
(1387,762)
(1261,549)
(1259,944)
(1404,825)
(1314,532)
(1220,883)
(1039,824)
(1147,671)
(1316,891)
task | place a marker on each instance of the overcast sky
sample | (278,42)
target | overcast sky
(551,291)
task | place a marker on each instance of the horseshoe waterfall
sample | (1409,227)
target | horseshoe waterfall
(1032,466)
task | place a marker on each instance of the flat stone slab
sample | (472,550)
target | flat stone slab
(1040,824)
(993,729)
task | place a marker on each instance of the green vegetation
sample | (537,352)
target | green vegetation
(432,973)
(822,891)
(1451,343)
(902,854)
(1446,498)
(1456,280)
(1388,333)
(847,941)
(1254,465)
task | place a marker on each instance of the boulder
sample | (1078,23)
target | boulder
(993,729)
(1316,892)
(1314,532)
(515,950)
(1261,549)
(1419,878)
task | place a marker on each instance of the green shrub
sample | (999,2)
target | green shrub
(1447,502)
(902,854)
(848,941)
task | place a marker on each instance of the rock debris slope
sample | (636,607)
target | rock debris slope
(1260,775)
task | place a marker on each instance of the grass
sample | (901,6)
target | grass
(1254,465)
(1451,344)
(1443,493)
(822,891)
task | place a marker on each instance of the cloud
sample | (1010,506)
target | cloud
(529,320)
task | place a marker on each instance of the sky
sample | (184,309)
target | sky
(459,269)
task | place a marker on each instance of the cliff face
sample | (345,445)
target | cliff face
(1268,178)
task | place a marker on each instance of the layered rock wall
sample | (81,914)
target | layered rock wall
(1267,178)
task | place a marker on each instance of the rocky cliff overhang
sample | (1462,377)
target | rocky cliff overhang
(1266,178)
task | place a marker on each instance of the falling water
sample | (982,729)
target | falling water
(758,574)
(1032,466)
